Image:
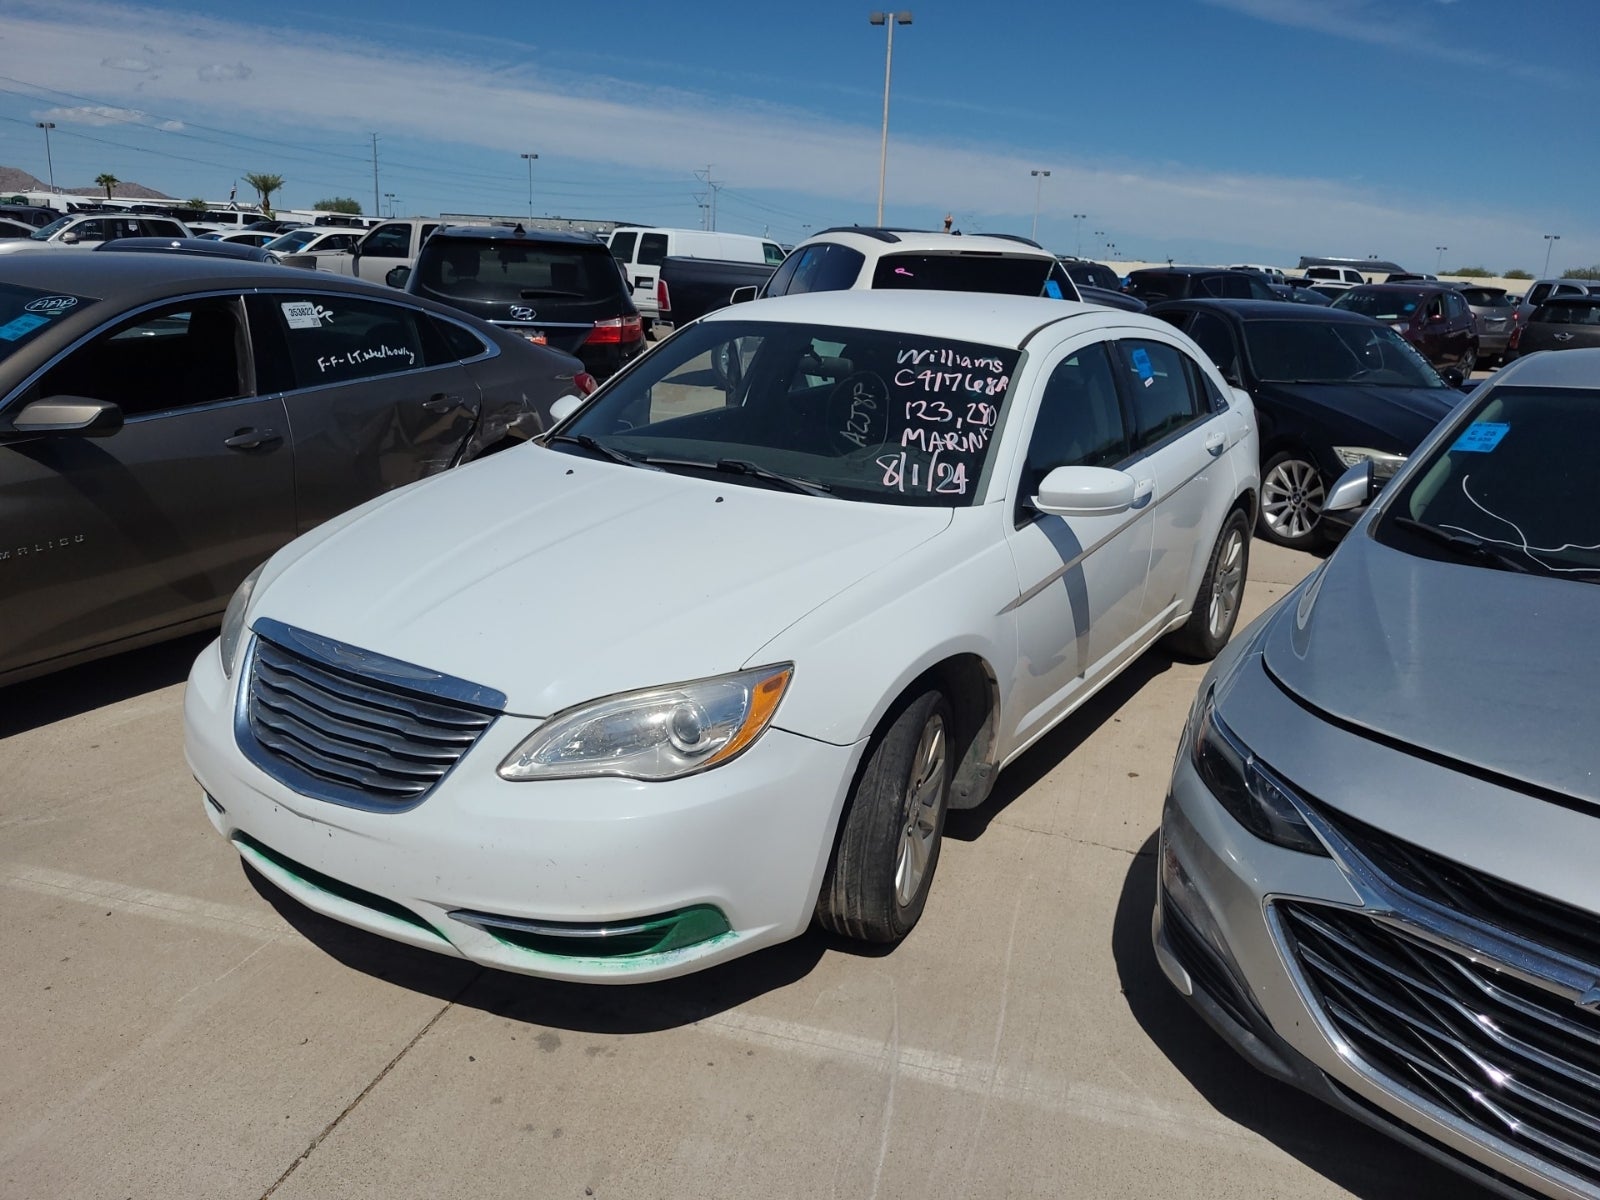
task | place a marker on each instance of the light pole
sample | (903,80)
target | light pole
(1550,239)
(530,158)
(888,20)
(1438,263)
(1077,231)
(1038,188)
(50,166)
(389,196)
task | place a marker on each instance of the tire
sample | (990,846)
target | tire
(888,845)
(1216,604)
(1469,364)
(1292,493)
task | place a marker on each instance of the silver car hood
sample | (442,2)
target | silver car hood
(1484,667)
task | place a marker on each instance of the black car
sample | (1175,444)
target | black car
(167,421)
(1087,273)
(1155,284)
(560,289)
(1560,323)
(1331,389)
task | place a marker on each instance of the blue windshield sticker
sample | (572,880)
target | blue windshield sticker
(1052,289)
(21,326)
(1141,364)
(1482,436)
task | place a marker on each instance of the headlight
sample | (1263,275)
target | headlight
(1247,788)
(1384,464)
(660,733)
(233,619)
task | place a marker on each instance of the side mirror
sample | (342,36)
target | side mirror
(1085,492)
(69,238)
(79,415)
(1453,376)
(1353,489)
(741,295)
(397,276)
(565,407)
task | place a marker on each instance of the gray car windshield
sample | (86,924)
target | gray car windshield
(25,313)
(1515,490)
(854,414)
(1314,351)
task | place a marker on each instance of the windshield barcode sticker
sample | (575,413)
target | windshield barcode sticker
(301,314)
(1482,436)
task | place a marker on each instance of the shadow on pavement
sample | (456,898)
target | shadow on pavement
(580,1007)
(50,698)
(1357,1158)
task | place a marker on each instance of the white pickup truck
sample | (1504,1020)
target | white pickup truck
(386,246)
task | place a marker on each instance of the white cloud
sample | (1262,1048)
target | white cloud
(223,72)
(138,65)
(94,114)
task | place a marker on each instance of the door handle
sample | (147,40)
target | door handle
(442,402)
(1214,443)
(252,439)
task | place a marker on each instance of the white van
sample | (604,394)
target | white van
(639,250)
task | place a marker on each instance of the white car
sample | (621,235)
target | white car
(718,657)
(310,239)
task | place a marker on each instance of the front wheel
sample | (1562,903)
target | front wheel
(888,847)
(1292,494)
(1216,604)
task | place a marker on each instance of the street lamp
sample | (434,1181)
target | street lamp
(389,196)
(1550,240)
(47,126)
(888,20)
(1438,263)
(1077,231)
(1038,187)
(530,158)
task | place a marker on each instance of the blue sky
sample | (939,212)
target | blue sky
(1201,130)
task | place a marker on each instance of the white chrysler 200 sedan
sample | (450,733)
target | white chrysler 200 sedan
(716,659)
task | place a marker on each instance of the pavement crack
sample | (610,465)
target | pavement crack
(1057,833)
(328,1129)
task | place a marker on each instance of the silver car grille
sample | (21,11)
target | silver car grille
(344,725)
(1469,1024)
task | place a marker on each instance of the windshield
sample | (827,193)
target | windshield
(1327,351)
(1381,306)
(292,240)
(25,313)
(886,418)
(1518,484)
(49,231)
(1006,275)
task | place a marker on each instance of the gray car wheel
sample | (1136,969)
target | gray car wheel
(1292,494)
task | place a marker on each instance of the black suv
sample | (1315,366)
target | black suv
(1155,284)
(558,289)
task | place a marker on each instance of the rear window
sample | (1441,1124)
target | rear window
(1151,286)
(514,270)
(1486,298)
(622,246)
(1092,275)
(1381,306)
(652,249)
(997,274)
(1569,312)
(25,313)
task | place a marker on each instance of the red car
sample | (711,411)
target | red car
(1434,319)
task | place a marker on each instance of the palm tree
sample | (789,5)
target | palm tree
(265,185)
(108,181)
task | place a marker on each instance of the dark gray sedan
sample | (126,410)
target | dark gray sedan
(1377,857)
(168,421)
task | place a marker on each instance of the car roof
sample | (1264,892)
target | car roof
(1570,301)
(1262,310)
(1552,368)
(1410,287)
(508,233)
(875,241)
(136,277)
(981,317)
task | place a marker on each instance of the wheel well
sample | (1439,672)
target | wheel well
(1249,504)
(968,683)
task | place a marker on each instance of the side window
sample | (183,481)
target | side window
(778,285)
(177,356)
(1216,339)
(1259,290)
(460,341)
(1159,389)
(1064,285)
(1539,293)
(335,338)
(1435,308)
(622,246)
(826,267)
(1080,422)
(388,241)
(652,249)
(772,253)
(94,231)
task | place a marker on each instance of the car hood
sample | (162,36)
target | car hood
(1465,662)
(1405,413)
(556,579)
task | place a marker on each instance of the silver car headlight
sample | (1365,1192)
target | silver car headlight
(233,619)
(1253,795)
(658,733)
(1384,464)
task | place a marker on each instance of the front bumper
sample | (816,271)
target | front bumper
(1227,931)
(745,844)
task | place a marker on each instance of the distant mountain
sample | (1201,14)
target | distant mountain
(15,179)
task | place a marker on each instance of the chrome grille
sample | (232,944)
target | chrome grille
(353,737)
(1515,1061)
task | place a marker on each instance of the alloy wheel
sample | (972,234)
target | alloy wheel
(1227,585)
(925,795)
(1291,498)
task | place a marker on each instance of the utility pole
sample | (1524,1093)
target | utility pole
(712,188)
(50,165)
(377,209)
